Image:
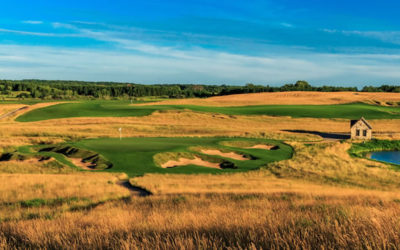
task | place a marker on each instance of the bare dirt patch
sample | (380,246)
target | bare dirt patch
(184,162)
(10,109)
(84,165)
(11,113)
(231,155)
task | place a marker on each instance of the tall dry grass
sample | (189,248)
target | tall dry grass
(34,166)
(30,196)
(224,221)
(255,182)
(175,123)
(17,187)
(330,163)
(290,97)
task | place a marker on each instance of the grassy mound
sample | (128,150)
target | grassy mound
(97,161)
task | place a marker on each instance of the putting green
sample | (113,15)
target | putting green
(135,156)
(123,109)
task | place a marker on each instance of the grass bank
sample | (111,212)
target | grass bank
(283,220)
(362,149)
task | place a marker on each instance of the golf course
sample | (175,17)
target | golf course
(126,109)
(137,156)
(176,167)
(196,125)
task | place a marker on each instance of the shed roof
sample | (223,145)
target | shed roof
(353,122)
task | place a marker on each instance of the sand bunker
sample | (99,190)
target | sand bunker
(184,162)
(32,160)
(231,155)
(264,146)
(84,165)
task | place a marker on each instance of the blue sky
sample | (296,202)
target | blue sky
(348,43)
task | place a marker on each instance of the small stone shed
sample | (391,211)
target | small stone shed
(360,129)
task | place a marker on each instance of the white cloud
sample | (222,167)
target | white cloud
(45,34)
(287,25)
(32,22)
(198,66)
(384,36)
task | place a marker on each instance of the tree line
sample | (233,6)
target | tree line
(45,89)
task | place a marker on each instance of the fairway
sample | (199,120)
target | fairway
(124,109)
(134,156)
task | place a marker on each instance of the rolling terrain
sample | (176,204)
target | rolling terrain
(122,109)
(198,172)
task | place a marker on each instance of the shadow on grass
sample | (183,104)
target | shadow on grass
(324,135)
(135,189)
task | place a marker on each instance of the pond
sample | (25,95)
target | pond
(386,156)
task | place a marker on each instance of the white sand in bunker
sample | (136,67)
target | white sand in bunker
(84,165)
(263,146)
(32,161)
(231,155)
(184,162)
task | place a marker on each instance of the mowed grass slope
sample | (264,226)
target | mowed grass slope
(124,109)
(134,156)
(85,109)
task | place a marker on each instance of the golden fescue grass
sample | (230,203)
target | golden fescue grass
(172,123)
(255,182)
(47,196)
(330,163)
(96,186)
(9,140)
(33,166)
(219,221)
(293,97)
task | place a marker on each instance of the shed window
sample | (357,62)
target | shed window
(365,132)
(357,132)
